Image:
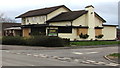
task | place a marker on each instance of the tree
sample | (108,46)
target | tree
(4,19)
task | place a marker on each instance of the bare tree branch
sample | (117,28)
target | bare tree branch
(4,19)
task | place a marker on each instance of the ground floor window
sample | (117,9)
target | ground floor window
(82,30)
(98,32)
(64,30)
(38,31)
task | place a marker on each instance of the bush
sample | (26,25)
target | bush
(99,36)
(11,40)
(54,42)
(85,36)
(66,41)
(45,41)
(40,40)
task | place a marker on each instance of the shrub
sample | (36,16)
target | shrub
(99,36)
(54,42)
(85,36)
(66,41)
(40,40)
(45,41)
(11,40)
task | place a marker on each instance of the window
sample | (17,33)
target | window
(33,19)
(98,32)
(82,30)
(23,20)
(64,30)
(27,20)
(42,18)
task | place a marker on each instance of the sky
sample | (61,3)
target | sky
(108,9)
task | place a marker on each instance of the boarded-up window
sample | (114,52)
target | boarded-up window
(26,32)
(82,30)
(98,32)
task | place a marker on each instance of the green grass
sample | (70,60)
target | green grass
(115,55)
(82,43)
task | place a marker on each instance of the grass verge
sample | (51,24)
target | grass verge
(115,55)
(83,43)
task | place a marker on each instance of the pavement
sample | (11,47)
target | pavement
(19,47)
(42,56)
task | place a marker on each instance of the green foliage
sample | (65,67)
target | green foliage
(40,40)
(84,36)
(10,40)
(115,55)
(99,36)
(54,42)
(84,43)
(45,41)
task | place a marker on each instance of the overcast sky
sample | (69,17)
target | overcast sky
(108,9)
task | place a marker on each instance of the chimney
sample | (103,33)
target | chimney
(90,9)
(89,6)
(90,21)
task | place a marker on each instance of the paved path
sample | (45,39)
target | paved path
(59,57)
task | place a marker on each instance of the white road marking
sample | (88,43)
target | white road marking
(112,64)
(101,62)
(76,60)
(91,52)
(85,62)
(17,53)
(29,54)
(43,56)
(77,53)
(55,57)
(36,55)
(90,61)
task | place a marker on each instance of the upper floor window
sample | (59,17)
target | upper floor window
(42,18)
(33,19)
(27,20)
(23,21)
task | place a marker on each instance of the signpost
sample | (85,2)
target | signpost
(52,32)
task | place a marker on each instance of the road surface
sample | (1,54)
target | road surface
(59,57)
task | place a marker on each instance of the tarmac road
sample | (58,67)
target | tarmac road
(58,57)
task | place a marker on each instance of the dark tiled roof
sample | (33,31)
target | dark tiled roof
(109,25)
(39,12)
(34,25)
(89,6)
(8,25)
(46,25)
(71,26)
(67,16)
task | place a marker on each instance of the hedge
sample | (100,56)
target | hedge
(10,40)
(34,41)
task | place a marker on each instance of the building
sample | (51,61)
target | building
(6,26)
(13,31)
(61,21)
(118,34)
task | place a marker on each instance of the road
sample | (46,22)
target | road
(58,57)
